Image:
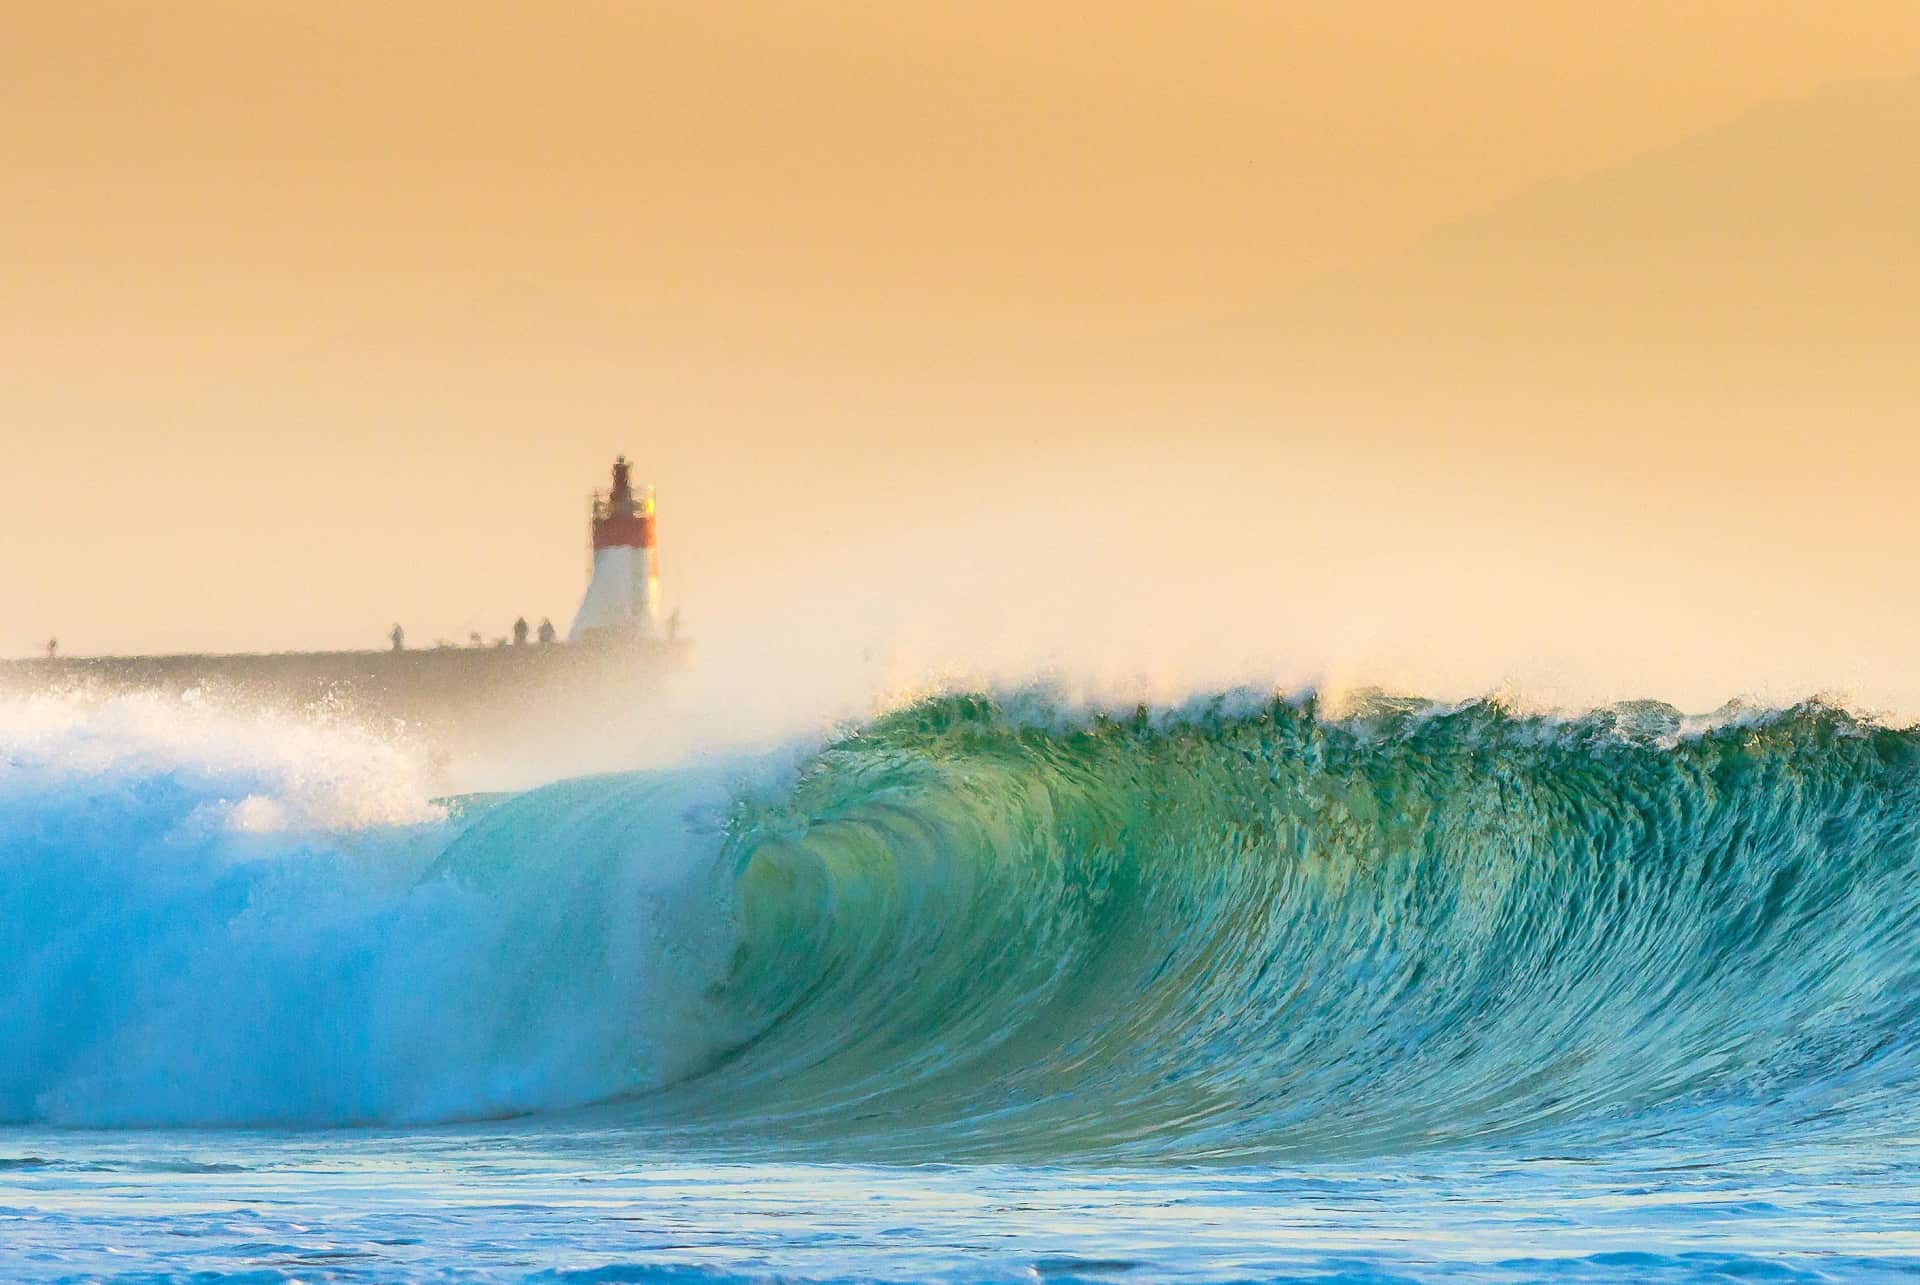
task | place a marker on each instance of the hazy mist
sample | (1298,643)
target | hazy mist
(1163,346)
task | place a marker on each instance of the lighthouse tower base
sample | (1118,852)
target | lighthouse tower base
(621,599)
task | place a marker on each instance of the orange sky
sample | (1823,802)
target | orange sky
(973,331)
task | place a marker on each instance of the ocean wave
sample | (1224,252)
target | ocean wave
(984,927)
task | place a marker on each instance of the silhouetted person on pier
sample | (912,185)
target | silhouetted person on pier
(547,633)
(399,637)
(53,648)
(520,632)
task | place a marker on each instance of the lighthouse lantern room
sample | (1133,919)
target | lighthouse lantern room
(623,598)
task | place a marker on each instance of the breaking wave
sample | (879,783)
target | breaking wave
(983,928)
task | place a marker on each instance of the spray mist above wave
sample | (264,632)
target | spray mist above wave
(977,928)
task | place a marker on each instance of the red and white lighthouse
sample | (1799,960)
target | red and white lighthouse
(624,595)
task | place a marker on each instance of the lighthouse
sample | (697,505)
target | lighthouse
(623,598)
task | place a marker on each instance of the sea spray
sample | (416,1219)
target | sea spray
(215,917)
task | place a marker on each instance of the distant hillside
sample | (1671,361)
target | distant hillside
(1767,269)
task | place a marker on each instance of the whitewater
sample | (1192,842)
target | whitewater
(991,986)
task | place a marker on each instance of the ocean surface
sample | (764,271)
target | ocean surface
(988,989)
